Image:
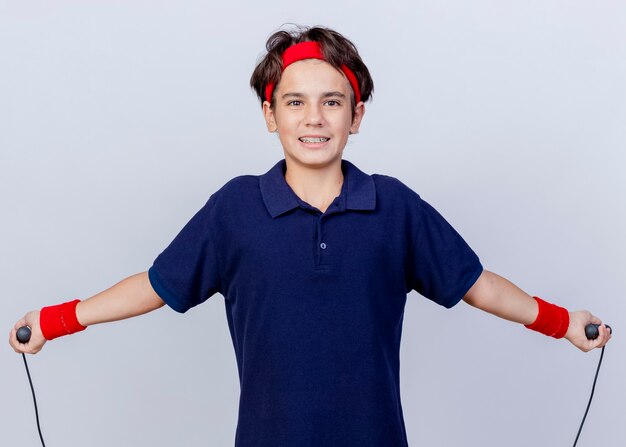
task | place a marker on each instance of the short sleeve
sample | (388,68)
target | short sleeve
(442,267)
(186,273)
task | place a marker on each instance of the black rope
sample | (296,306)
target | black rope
(34,400)
(593,388)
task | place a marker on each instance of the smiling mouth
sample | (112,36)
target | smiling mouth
(314,139)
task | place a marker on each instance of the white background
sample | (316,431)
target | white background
(119,119)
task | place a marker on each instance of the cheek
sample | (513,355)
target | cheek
(286,122)
(345,122)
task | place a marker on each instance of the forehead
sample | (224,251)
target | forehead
(310,75)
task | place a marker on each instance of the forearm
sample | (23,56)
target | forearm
(498,296)
(128,298)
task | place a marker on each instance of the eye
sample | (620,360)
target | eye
(333,103)
(294,102)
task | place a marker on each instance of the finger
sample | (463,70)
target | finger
(595,320)
(14,342)
(607,335)
(26,348)
(602,337)
(11,339)
(20,323)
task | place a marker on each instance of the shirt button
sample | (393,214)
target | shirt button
(323,246)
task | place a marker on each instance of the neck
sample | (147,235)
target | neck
(317,186)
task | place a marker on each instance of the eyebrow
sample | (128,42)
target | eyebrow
(325,95)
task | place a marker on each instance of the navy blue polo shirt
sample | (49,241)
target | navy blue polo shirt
(315,301)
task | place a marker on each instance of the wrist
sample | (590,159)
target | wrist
(552,320)
(59,320)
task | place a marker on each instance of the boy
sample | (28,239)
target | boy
(314,259)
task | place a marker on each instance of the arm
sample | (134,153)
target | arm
(500,297)
(130,297)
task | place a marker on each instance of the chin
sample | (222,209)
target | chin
(316,160)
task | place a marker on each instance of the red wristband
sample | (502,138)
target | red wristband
(551,320)
(59,320)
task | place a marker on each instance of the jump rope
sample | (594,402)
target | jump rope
(591,331)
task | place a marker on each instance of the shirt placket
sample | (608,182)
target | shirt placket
(321,246)
(324,250)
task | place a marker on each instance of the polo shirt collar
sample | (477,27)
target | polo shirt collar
(358,191)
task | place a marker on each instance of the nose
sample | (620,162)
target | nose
(314,116)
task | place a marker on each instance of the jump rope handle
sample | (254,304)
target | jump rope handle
(592,332)
(23,334)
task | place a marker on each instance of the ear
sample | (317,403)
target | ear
(359,111)
(270,118)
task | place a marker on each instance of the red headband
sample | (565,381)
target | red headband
(311,50)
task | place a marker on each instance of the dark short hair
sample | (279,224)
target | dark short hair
(337,51)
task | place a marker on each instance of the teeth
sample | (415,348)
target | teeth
(314,140)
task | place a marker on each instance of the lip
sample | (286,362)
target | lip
(314,145)
(314,136)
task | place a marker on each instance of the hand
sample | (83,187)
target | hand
(576,331)
(37,340)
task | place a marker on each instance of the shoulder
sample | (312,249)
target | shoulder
(391,188)
(237,200)
(397,198)
(238,188)
(239,184)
